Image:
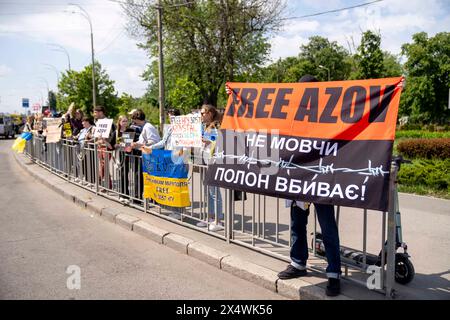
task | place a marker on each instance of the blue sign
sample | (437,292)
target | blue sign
(25,102)
(161,163)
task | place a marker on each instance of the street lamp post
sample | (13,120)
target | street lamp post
(328,70)
(61,49)
(86,15)
(49,66)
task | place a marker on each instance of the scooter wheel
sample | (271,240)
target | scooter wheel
(404,269)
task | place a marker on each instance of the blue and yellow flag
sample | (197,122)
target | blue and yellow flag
(165,178)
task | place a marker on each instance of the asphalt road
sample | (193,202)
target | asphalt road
(42,234)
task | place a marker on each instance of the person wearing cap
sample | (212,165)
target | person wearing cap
(299,247)
(137,129)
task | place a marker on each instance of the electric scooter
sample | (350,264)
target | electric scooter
(404,269)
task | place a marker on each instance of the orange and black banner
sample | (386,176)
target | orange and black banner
(320,142)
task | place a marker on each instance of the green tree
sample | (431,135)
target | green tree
(209,42)
(315,57)
(76,86)
(126,103)
(185,96)
(52,101)
(425,98)
(370,58)
(391,65)
(320,51)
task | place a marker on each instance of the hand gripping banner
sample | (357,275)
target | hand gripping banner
(320,142)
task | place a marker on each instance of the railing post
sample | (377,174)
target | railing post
(96,173)
(390,262)
(229,215)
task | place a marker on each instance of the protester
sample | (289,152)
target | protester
(85,136)
(105,146)
(149,134)
(28,127)
(87,133)
(38,126)
(330,233)
(123,157)
(137,129)
(76,121)
(166,141)
(210,124)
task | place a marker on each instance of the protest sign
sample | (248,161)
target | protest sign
(53,129)
(328,143)
(127,140)
(103,128)
(186,131)
(165,178)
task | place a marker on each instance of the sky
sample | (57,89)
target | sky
(32,33)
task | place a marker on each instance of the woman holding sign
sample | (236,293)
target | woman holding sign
(124,140)
(210,126)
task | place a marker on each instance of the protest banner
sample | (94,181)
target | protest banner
(103,128)
(321,142)
(186,131)
(53,129)
(165,178)
(67,129)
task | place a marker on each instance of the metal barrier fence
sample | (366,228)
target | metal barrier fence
(255,221)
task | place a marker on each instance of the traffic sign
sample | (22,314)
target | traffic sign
(25,102)
(36,106)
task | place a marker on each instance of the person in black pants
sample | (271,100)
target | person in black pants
(330,233)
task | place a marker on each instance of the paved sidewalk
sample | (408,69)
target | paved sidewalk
(239,261)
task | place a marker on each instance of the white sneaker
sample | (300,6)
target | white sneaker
(201,224)
(215,227)
(124,200)
(175,215)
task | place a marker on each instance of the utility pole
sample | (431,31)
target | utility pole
(162,118)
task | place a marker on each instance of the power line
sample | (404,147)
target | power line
(331,11)
(152,6)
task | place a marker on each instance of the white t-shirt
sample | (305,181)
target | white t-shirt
(149,135)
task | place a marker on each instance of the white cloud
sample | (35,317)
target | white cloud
(5,70)
(396,21)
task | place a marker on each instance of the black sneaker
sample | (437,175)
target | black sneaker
(291,272)
(333,287)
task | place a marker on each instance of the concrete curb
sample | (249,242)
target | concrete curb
(249,271)
(126,221)
(177,242)
(262,276)
(110,214)
(150,232)
(206,254)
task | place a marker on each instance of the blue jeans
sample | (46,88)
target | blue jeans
(299,249)
(214,197)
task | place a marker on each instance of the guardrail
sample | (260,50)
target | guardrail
(255,221)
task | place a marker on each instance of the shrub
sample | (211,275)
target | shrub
(421,134)
(434,174)
(425,148)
